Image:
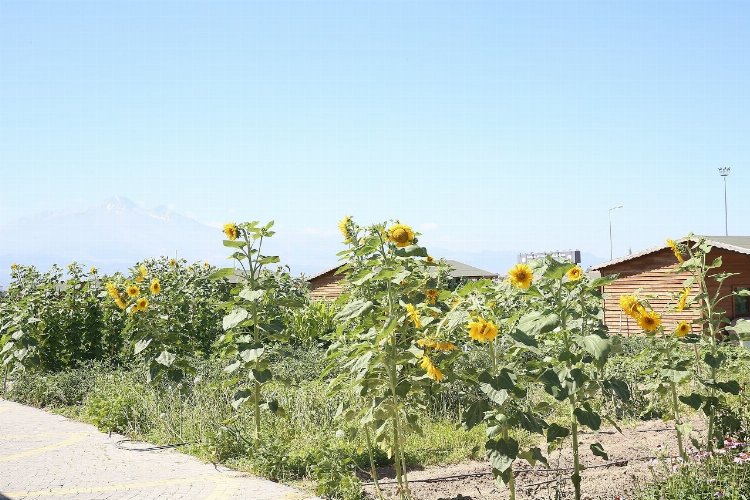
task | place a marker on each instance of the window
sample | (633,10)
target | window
(741,303)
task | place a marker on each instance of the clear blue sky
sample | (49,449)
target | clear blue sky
(491,125)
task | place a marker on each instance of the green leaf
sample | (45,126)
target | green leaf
(694,401)
(261,376)
(732,387)
(501,453)
(598,450)
(714,362)
(474,414)
(142,344)
(716,263)
(234,318)
(489,386)
(412,251)
(233,367)
(221,274)
(555,431)
(166,358)
(354,309)
(240,397)
(234,243)
(533,456)
(536,322)
(597,346)
(590,419)
(619,387)
(251,295)
(556,269)
(249,355)
(268,259)
(675,376)
(522,338)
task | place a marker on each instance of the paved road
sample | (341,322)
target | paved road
(49,456)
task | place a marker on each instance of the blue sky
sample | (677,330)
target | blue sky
(489,125)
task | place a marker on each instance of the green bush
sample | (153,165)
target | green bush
(54,390)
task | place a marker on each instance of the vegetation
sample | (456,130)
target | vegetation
(255,374)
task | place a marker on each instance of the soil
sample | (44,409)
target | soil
(630,454)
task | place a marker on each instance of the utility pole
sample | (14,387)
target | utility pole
(724,172)
(610,229)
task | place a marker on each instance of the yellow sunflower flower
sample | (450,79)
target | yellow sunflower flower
(120,303)
(630,306)
(155,286)
(683,328)
(432,371)
(142,272)
(482,330)
(173,262)
(682,302)
(133,290)
(520,276)
(345,226)
(426,343)
(575,273)
(445,346)
(401,235)
(430,259)
(112,290)
(649,321)
(675,250)
(231,231)
(142,303)
(413,315)
(93,270)
(431,296)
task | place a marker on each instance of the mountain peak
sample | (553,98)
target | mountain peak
(119,204)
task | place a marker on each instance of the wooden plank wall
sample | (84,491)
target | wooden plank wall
(328,286)
(652,277)
(732,262)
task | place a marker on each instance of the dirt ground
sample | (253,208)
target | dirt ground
(629,457)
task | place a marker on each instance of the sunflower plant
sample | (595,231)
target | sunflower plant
(148,325)
(253,319)
(692,255)
(666,362)
(388,335)
(487,314)
(565,321)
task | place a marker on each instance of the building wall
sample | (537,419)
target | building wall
(732,262)
(328,286)
(652,277)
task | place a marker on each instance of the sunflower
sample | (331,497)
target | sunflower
(93,270)
(120,303)
(345,226)
(173,262)
(133,290)
(430,259)
(630,305)
(675,250)
(427,343)
(413,315)
(431,296)
(112,290)
(482,330)
(649,321)
(141,303)
(445,346)
(155,286)
(575,273)
(432,371)
(401,235)
(142,272)
(520,276)
(682,302)
(683,328)
(231,231)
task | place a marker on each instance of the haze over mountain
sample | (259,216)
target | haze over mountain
(116,234)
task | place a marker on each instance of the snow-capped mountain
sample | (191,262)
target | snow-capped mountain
(111,236)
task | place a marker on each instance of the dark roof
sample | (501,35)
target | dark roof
(459,270)
(739,244)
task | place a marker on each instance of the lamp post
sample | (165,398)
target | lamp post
(724,172)
(610,229)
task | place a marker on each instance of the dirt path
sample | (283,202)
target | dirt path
(629,456)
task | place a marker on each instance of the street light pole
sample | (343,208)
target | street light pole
(610,229)
(724,172)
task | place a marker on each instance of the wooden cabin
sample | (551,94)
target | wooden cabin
(328,285)
(651,274)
